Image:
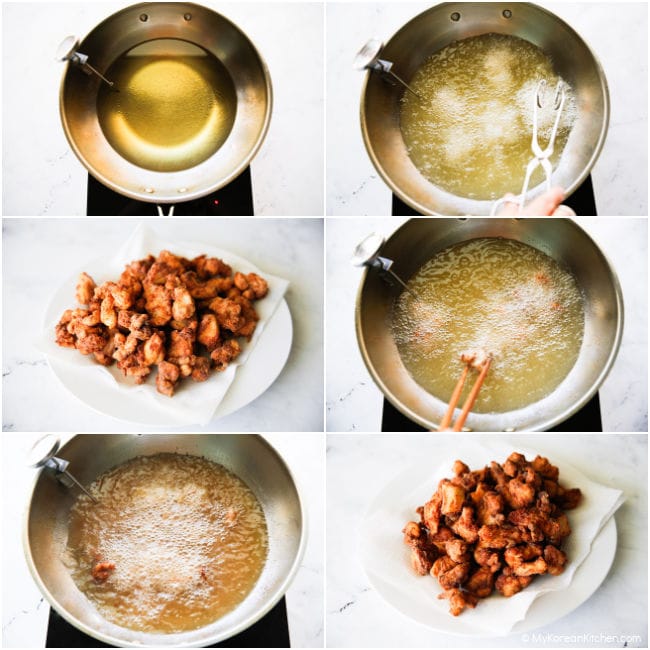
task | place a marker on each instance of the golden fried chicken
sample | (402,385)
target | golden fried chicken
(224,353)
(168,312)
(452,498)
(85,289)
(496,527)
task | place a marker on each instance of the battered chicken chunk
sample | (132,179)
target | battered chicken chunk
(494,528)
(165,312)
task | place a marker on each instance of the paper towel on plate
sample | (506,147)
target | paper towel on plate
(193,402)
(385,557)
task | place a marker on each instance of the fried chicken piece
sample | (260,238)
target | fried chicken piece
(183,305)
(102,570)
(251,285)
(63,337)
(432,513)
(465,527)
(154,349)
(555,559)
(200,368)
(228,312)
(543,467)
(85,289)
(168,375)
(457,550)
(449,573)
(452,498)
(249,315)
(207,267)
(158,303)
(499,536)
(224,353)
(525,560)
(555,529)
(124,346)
(209,331)
(202,289)
(475,358)
(488,558)
(90,339)
(458,600)
(415,534)
(568,499)
(107,313)
(518,494)
(181,344)
(490,509)
(134,366)
(440,538)
(481,582)
(509,584)
(459,468)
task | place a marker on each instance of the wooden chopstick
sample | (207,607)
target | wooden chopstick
(469,402)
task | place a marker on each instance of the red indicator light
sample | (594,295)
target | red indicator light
(216,201)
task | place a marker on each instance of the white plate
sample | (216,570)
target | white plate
(262,367)
(547,607)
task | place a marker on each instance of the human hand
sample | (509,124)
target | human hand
(548,204)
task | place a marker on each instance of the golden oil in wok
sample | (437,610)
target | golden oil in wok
(471,132)
(500,295)
(174,107)
(187,537)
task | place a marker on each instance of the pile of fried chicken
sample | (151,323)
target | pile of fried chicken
(497,527)
(183,316)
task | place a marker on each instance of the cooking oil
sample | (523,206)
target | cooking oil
(470,132)
(174,105)
(187,538)
(499,295)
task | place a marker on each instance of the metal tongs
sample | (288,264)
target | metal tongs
(541,156)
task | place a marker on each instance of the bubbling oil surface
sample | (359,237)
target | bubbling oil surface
(174,106)
(500,295)
(471,132)
(188,539)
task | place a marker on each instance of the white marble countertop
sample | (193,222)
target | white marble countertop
(39,254)
(353,401)
(620,176)
(41,174)
(358,466)
(25,612)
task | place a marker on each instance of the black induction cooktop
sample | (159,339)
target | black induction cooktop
(235,199)
(272,631)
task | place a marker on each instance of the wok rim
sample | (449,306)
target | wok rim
(544,425)
(480,204)
(187,196)
(275,597)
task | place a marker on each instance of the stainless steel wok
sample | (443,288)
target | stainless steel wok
(249,456)
(182,21)
(562,239)
(434,29)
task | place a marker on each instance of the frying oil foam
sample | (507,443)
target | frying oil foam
(471,132)
(187,537)
(500,295)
